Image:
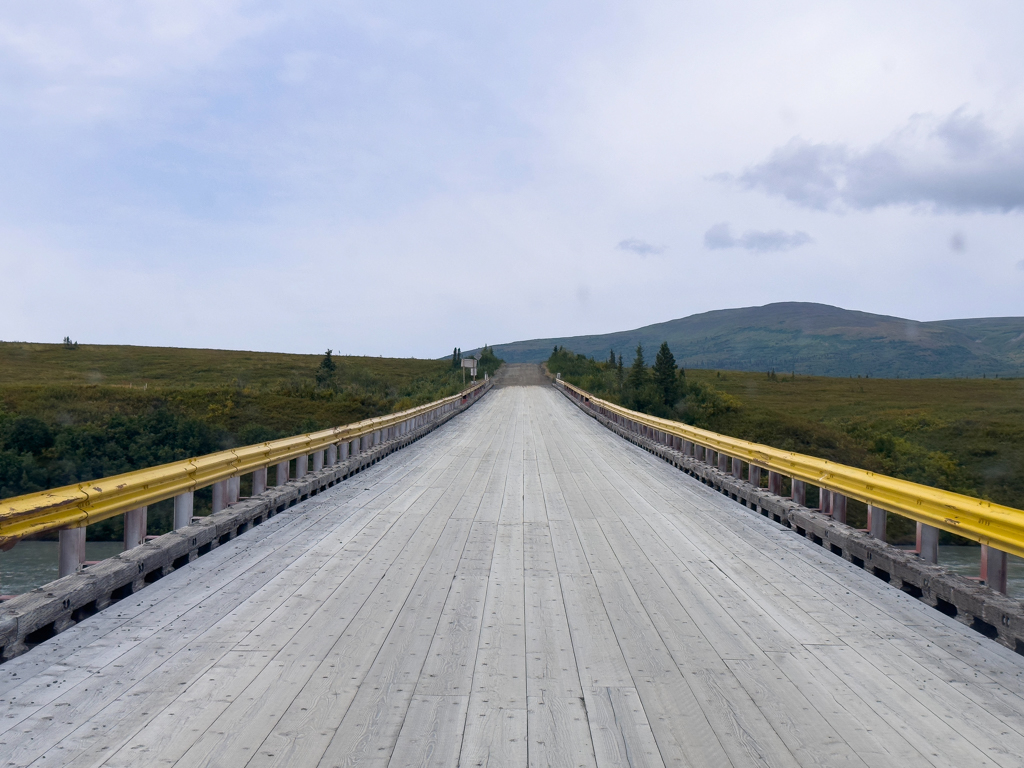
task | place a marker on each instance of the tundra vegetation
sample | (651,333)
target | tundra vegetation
(963,435)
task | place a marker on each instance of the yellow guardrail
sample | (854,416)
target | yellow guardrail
(74,506)
(991,524)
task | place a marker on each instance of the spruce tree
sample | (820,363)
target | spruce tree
(638,371)
(325,372)
(611,358)
(620,374)
(665,374)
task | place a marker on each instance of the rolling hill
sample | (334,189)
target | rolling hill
(813,339)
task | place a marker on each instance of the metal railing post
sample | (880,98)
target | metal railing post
(220,496)
(799,493)
(135,527)
(70,551)
(876,522)
(259,481)
(838,507)
(993,568)
(183,504)
(928,543)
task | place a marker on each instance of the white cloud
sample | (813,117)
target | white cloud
(957,163)
(640,247)
(720,236)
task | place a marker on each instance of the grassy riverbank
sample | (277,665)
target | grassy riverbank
(73,414)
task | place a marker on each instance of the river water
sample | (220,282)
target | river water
(34,563)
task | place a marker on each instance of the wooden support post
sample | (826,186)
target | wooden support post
(928,543)
(774,483)
(220,496)
(737,468)
(301,466)
(800,492)
(183,504)
(993,568)
(839,507)
(343,451)
(281,473)
(332,455)
(318,461)
(135,528)
(259,481)
(70,551)
(234,489)
(825,500)
(876,522)
(754,475)
(710,457)
(722,462)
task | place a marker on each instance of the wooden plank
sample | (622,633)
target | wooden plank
(620,729)
(431,734)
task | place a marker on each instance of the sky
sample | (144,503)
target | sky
(398,179)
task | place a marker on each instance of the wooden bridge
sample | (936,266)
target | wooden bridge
(521,587)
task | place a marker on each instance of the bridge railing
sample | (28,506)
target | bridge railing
(73,507)
(999,529)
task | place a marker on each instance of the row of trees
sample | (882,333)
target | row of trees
(661,389)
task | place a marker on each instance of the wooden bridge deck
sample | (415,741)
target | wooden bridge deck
(520,588)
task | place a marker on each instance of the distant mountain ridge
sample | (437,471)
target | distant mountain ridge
(812,339)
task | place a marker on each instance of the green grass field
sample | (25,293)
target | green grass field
(69,415)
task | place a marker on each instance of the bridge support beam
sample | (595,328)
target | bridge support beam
(993,568)
(70,551)
(135,527)
(183,505)
(876,522)
(774,483)
(220,496)
(928,543)
(259,481)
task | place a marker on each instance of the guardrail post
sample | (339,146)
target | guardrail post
(754,475)
(135,527)
(774,483)
(838,504)
(722,462)
(234,489)
(993,568)
(301,466)
(800,492)
(343,451)
(220,495)
(259,481)
(928,543)
(332,455)
(737,468)
(183,504)
(876,522)
(318,461)
(281,477)
(70,551)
